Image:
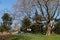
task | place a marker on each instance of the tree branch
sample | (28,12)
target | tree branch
(41,9)
(47,10)
(55,10)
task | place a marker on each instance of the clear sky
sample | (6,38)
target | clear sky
(6,4)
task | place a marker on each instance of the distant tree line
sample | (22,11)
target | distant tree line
(35,24)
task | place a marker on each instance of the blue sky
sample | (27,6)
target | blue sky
(6,4)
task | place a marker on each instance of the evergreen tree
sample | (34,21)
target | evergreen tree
(7,21)
(37,17)
(25,23)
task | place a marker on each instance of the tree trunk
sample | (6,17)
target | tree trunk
(48,32)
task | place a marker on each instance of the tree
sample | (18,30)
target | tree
(7,22)
(37,18)
(49,10)
(25,23)
(16,27)
(37,25)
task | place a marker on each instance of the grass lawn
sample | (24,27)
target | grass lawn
(30,36)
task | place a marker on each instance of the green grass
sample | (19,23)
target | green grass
(30,36)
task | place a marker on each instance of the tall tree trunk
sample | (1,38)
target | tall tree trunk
(48,32)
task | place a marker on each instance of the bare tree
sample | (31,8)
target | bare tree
(49,10)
